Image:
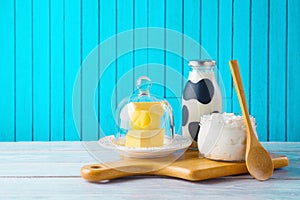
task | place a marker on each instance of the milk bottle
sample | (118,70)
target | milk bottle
(201,96)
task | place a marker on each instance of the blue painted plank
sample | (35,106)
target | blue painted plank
(210,39)
(174,22)
(141,55)
(293,70)
(209,27)
(277,72)
(225,52)
(259,63)
(57,91)
(156,19)
(108,79)
(191,29)
(41,69)
(241,44)
(24,70)
(51,53)
(124,62)
(72,63)
(7,75)
(89,42)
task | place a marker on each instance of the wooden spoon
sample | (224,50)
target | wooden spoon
(258,160)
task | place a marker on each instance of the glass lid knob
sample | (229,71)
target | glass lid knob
(143,84)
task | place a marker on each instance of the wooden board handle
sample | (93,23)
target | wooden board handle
(100,172)
(122,168)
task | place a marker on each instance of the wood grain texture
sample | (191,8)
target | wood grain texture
(225,42)
(135,188)
(156,57)
(277,71)
(89,44)
(259,67)
(209,27)
(108,29)
(191,28)
(124,63)
(174,22)
(141,55)
(72,55)
(258,160)
(41,70)
(24,89)
(293,58)
(189,167)
(35,167)
(241,48)
(7,75)
(239,88)
(57,76)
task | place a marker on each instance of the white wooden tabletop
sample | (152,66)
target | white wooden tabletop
(50,170)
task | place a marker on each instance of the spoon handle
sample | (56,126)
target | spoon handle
(235,71)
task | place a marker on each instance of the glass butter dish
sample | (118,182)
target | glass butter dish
(145,126)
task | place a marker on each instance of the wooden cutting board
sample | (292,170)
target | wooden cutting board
(189,167)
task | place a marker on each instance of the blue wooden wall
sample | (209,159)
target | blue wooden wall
(43,43)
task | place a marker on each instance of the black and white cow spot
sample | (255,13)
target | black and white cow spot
(194,128)
(185,115)
(203,91)
(215,112)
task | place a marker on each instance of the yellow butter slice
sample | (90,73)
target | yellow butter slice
(145,138)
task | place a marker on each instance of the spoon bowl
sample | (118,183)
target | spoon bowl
(261,170)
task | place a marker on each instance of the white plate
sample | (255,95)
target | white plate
(178,143)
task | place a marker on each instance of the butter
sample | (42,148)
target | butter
(145,138)
(144,125)
(145,115)
(140,119)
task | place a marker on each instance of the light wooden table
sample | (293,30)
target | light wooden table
(50,170)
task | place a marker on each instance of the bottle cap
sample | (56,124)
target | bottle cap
(199,63)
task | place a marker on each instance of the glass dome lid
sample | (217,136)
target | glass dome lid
(144,121)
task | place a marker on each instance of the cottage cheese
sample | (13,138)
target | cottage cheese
(223,136)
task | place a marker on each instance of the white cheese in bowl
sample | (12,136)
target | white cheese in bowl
(222,136)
